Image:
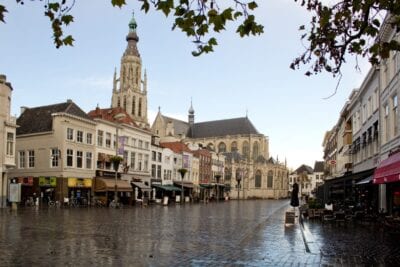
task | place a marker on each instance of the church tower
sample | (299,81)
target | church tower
(130,90)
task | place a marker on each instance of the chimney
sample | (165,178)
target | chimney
(69,101)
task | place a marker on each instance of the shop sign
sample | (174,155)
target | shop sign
(107,174)
(27,181)
(79,182)
(48,181)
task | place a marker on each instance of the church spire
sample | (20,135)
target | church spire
(132,38)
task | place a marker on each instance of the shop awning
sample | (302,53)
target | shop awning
(169,188)
(185,184)
(142,186)
(104,185)
(388,170)
(206,185)
(365,180)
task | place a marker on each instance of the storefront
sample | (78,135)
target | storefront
(387,177)
(105,188)
(187,187)
(28,194)
(79,190)
(47,186)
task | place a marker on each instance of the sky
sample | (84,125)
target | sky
(244,76)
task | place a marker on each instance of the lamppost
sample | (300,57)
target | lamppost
(238,178)
(116,160)
(182,171)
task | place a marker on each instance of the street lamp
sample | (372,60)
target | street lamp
(182,171)
(238,178)
(217,177)
(116,160)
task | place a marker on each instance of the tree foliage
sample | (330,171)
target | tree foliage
(196,18)
(344,27)
(347,27)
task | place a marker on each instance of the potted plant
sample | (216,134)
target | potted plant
(116,160)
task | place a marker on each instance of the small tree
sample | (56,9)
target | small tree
(116,160)
(182,171)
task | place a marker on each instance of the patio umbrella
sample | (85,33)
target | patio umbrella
(294,199)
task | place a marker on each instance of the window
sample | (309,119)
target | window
(55,157)
(159,171)
(70,134)
(88,160)
(133,154)
(31,158)
(140,108)
(364,113)
(153,170)
(159,157)
(257,182)
(386,120)
(146,145)
(100,138)
(270,179)
(79,159)
(70,157)
(153,155)
(79,136)
(89,138)
(125,102)
(114,141)
(140,144)
(21,158)
(133,106)
(118,102)
(146,162)
(255,150)
(10,144)
(108,139)
(133,142)
(140,161)
(395,117)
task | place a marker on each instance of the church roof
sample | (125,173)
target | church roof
(40,119)
(180,127)
(234,126)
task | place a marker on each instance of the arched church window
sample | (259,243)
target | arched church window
(221,147)
(257,180)
(133,106)
(125,102)
(234,146)
(246,149)
(270,179)
(140,108)
(137,75)
(118,102)
(255,150)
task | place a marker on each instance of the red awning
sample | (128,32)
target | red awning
(388,170)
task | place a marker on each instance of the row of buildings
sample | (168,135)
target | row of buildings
(361,150)
(59,151)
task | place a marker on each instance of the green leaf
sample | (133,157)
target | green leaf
(145,6)
(54,6)
(252,5)
(67,19)
(118,3)
(68,40)
(2,11)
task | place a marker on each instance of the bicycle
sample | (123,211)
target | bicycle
(114,204)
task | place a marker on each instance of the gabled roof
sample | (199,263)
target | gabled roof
(303,168)
(177,147)
(39,119)
(319,166)
(110,114)
(234,126)
(180,127)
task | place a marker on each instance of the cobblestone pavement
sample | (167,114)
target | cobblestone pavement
(234,233)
